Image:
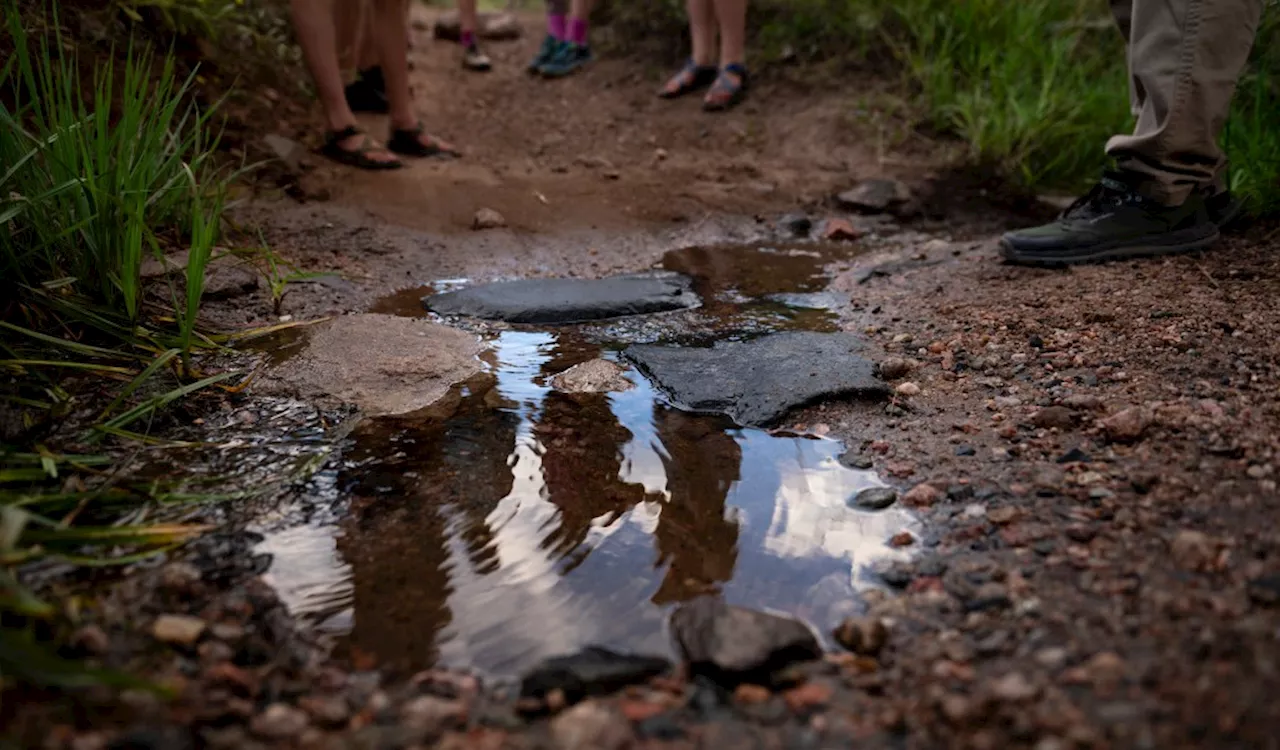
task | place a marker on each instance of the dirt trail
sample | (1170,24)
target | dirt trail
(1092,453)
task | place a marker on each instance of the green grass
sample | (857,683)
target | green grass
(1031,89)
(103,164)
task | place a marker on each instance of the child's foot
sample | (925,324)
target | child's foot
(548,50)
(568,58)
(729,89)
(474,59)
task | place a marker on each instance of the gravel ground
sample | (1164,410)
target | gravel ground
(1092,451)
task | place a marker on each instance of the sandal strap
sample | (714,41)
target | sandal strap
(737,69)
(334,136)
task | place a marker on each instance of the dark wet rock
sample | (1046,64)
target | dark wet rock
(855,460)
(798,225)
(592,671)
(898,574)
(866,636)
(568,300)
(757,382)
(1265,590)
(988,596)
(874,498)
(154,738)
(591,726)
(875,196)
(734,644)
(1073,456)
(661,727)
(966,450)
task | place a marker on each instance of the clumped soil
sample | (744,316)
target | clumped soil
(1092,452)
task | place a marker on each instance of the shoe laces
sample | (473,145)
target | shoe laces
(1112,192)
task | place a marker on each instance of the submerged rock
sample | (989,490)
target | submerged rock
(874,498)
(568,300)
(591,671)
(384,364)
(593,376)
(757,382)
(734,644)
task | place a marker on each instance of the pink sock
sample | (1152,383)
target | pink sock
(468,38)
(578,30)
(556,25)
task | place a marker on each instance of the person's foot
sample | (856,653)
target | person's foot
(566,60)
(417,142)
(474,59)
(729,89)
(1112,222)
(547,51)
(352,147)
(368,93)
(692,77)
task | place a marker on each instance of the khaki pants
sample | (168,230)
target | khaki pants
(1185,57)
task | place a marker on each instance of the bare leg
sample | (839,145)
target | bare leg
(390,22)
(702,30)
(313,22)
(350,24)
(468,18)
(392,40)
(731,16)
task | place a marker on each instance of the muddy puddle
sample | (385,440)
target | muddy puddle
(517,521)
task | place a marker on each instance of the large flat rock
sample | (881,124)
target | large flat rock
(568,300)
(383,364)
(757,382)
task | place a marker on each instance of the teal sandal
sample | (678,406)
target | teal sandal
(729,89)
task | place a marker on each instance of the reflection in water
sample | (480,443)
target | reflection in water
(522,522)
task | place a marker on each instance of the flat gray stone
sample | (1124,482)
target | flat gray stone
(568,300)
(757,382)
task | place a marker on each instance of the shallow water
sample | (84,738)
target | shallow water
(517,522)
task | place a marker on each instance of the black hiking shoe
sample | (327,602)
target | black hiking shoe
(1112,222)
(368,92)
(1223,208)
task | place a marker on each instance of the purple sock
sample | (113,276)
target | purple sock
(578,31)
(556,25)
(468,37)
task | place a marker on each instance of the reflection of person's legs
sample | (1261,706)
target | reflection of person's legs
(695,539)
(1185,58)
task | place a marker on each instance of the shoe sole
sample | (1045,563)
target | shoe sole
(1128,252)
